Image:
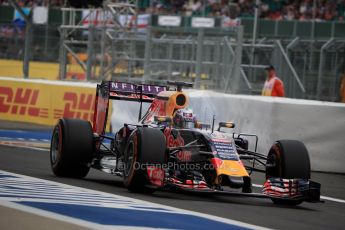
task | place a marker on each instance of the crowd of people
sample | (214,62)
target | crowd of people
(31,3)
(320,10)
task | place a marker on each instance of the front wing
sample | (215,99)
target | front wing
(274,188)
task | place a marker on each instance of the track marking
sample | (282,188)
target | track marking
(12,194)
(322,197)
(333,199)
(17,145)
(86,224)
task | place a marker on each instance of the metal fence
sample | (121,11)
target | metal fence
(310,69)
(320,65)
(203,56)
(44,42)
(209,57)
(215,59)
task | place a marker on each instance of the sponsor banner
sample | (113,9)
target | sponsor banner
(132,88)
(44,103)
(200,22)
(141,24)
(229,22)
(38,70)
(40,15)
(164,20)
(97,18)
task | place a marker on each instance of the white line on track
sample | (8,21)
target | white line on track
(332,199)
(99,226)
(36,148)
(322,197)
(30,147)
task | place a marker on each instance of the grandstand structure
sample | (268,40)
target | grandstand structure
(95,32)
(112,43)
(117,47)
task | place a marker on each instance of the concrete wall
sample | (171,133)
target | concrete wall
(320,125)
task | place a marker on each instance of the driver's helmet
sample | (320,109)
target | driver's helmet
(184,119)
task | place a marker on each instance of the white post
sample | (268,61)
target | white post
(256,15)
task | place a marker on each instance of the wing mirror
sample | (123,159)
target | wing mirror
(202,125)
(226,125)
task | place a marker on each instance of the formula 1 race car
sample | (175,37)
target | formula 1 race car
(169,149)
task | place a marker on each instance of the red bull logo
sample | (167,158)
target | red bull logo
(175,142)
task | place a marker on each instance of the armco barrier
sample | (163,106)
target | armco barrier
(320,125)
(43,102)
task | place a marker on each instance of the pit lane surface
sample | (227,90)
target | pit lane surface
(262,212)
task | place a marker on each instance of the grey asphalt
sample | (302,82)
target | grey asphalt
(262,212)
(15,125)
(16,219)
(329,215)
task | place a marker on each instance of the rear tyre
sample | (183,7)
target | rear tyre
(144,146)
(71,148)
(288,159)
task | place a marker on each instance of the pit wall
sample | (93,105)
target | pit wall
(43,102)
(320,125)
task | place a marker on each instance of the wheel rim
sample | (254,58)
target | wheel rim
(55,146)
(129,159)
(273,159)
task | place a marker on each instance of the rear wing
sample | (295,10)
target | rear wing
(120,91)
(134,92)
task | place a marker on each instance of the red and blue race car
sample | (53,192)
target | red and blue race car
(168,148)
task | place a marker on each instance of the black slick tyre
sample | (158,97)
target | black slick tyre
(145,146)
(288,159)
(71,148)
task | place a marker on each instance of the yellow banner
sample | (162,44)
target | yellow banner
(45,102)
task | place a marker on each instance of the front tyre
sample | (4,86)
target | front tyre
(144,146)
(288,159)
(71,148)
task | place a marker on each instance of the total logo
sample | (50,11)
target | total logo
(156,175)
(21,101)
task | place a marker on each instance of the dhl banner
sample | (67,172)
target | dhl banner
(43,102)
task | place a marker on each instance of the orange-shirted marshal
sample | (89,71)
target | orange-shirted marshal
(273,85)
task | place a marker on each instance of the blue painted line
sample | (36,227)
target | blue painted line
(124,217)
(7,176)
(46,135)
(100,208)
(31,136)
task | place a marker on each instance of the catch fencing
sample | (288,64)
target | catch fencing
(221,59)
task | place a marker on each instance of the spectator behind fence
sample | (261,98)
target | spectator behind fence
(273,85)
(230,18)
